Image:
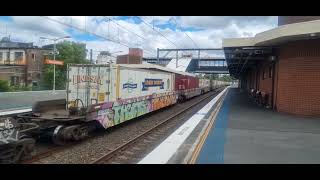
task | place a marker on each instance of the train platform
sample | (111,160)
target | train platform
(10,101)
(235,130)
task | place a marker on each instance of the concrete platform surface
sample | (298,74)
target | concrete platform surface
(246,133)
(9,100)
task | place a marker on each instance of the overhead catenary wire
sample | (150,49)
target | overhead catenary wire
(92,33)
(185,32)
(125,28)
(157,31)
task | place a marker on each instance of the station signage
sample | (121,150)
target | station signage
(48,61)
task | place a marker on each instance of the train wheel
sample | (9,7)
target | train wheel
(65,134)
(56,138)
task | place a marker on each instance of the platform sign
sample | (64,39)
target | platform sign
(47,61)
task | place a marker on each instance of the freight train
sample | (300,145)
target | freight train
(101,96)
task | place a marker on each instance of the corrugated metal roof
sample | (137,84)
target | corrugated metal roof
(153,66)
(183,64)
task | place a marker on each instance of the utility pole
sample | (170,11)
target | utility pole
(91,60)
(177,59)
(158,55)
(54,59)
(54,66)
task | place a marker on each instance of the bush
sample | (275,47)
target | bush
(4,86)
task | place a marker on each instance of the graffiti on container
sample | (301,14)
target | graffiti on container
(113,113)
(129,111)
(7,131)
(163,101)
(85,78)
(152,83)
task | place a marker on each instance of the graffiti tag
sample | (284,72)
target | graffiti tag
(7,131)
(84,78)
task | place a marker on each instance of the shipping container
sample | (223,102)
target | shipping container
(204,83)
(87,84)
(93,84)
(137,81)
(129,59)
(184,82)
(113,94)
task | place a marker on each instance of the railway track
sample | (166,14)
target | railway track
(46,153)
(126,151)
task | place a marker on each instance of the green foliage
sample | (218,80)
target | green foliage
(20,88)
(69,53)
(227,78)
(4,86)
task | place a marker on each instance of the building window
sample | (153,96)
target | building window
(8,57)
(270,72)
(33,56)
(18,56)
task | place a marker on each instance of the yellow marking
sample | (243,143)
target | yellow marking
(101,97)
(204,136)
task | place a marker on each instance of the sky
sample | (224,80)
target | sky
(117,33)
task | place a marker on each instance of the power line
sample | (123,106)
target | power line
(108,39)
(157,31)
(185,33)
(126,28)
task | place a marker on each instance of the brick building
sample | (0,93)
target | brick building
(135,56)
(282,63)
(20,63)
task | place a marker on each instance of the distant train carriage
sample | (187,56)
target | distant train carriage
(186,85)
(205,85)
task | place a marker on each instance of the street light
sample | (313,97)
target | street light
(54,57)
(114,56)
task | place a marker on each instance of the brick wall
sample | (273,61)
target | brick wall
(298,87)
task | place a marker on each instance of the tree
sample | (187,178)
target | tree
(227,78)
(4,86)
(69,53)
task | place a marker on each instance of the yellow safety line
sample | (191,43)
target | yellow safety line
(204,136)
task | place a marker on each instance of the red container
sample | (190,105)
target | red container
(183,82)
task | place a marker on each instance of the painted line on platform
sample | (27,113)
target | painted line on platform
(203,136)
(163,152)
(16,111)
(29,92)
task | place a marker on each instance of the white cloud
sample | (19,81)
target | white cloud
(213,30)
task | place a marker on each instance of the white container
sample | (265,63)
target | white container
(94,84)
(89,84)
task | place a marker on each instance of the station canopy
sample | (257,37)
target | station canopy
(244,53)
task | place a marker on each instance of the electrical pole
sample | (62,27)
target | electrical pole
(54,66)
(91,60)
